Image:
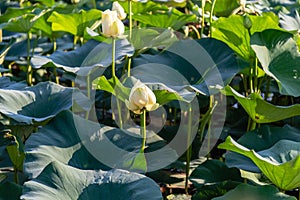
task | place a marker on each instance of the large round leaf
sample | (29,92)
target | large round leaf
(214,172)
(83,144)
(6,83)
(245,191)
(71,184)
(191,65)
(38,103)
(280,59)
(82,61)
(280,163)
(260,139)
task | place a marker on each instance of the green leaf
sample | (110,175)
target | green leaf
(260,139)
(83,144)
(174,19)
(268,20)
(37,104)
(143,39)
(222,8)
(192,66)
(208,192)
(113,86)
(6,83)
(279,57)
(260,110)
(243,191)
(74,23)
(86,59)
(142,8)
(231,30)
(214,172)
(22,24)
(10,190)
(16,154)
(13,12)
(71,183)
(280,163)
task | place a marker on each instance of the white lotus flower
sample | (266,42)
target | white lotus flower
(112,26)
(141,97)
(119,9)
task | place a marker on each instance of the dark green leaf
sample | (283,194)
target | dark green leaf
(11,191)
(214,172)
(71,183)
(39,103)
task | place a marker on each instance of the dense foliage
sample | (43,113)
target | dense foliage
(166,100)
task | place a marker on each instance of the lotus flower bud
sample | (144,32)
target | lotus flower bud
(141,97)
(247,22)
(119,9)
(112,26)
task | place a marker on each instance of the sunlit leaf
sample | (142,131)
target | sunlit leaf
(280,59)
(74,23)
(260,110)
(260,139)
(280,163)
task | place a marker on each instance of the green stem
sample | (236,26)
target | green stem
(211,105)
(143,129)
(54,44)
(29,68)
(113,55)
(211,16)
(202,18)
(255,73)
(189,149)
(130,18)
(251,78)
(94,4)
(88,92)
(56,76)
(268,88)
(16,177)
(130,35)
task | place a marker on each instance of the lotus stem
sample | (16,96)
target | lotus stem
(202,18)
(189,149)
(143,129)
(211,16)
(130,35)
(113,55)
(29,68)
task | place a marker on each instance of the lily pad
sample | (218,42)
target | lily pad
(245,191)
(279,57)
(214,172)
(280,163)
(83,144)
(6,83)
(71,183)
(37,104)
(260,139)
(201,65)
(84,60)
